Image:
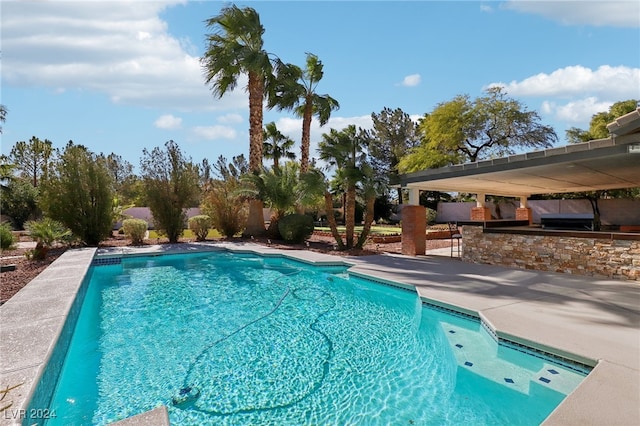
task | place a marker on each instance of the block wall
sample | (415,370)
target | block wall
(596,257)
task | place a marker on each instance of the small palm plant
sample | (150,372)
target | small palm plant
(45,232)
(7,239)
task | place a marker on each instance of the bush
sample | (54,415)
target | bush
(171,184)
(431,216)
(200,226)
(46,232)
(7,239)
(77,191)
(227,210)
(135,229)
(296,227)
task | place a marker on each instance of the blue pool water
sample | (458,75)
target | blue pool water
(224,338)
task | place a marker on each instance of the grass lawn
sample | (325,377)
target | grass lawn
(375,230)
(213,233)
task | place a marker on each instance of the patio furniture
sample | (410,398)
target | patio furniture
(456,238)
(568,221)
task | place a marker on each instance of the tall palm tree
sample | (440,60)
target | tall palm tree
(279,147)
(345,150)
(235,46)
(296,89)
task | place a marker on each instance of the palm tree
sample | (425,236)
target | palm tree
(281,189)
(345,150)
(235,46)
(279,146)
(296,89)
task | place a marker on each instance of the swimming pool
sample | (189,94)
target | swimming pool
(240,339)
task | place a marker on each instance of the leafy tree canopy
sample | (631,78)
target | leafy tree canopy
(465,130)
(31,158)
(393,135)
(599,121)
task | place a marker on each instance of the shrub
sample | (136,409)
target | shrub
(431,216)
(296,227)
(77,191)
(227,210)
(135,229)
(45,232)
(200,226)
(19,201)
(7,239)
(171,184)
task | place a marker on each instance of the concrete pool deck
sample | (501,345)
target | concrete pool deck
(591,320)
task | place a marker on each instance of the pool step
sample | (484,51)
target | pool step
(479,354)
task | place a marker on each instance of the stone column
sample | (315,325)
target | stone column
(414,230)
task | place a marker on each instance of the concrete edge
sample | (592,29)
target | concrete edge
(157,417)
(317,259)
(21,400)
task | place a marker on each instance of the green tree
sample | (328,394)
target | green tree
(77,192)
(234,47)
(277,145)
(171,184)
(19,201)
(393,135)
(121,172)
(281,189)
(463,130)
(32,158)
(345,150)
(598,124)
(296,89)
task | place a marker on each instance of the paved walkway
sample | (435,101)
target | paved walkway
(596,321)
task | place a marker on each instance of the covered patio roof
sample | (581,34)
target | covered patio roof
(610,163)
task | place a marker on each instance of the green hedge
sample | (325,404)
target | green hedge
(296,227)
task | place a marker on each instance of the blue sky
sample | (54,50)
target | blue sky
(123,76)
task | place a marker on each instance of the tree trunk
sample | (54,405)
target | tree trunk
(306,137)
(328,206)
(350,216)
(255,221)
(368,220)
(256,136)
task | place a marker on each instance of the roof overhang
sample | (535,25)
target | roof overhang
(601,164)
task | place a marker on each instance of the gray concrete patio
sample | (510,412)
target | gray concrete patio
(595,321)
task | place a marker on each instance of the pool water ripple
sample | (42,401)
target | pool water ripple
(239,339)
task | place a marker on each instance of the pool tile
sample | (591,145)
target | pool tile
(508,380)
(552,371)
(458,345)
(468,364)
(544,379)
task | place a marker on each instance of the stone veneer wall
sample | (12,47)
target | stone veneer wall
(582,256)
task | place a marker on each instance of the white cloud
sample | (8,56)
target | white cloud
(485,8)
(624,13)
(168,122)
(120,49)
(573,94)
(576,112)
(231,119)
(411,80)
(612,82)
(214,132)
